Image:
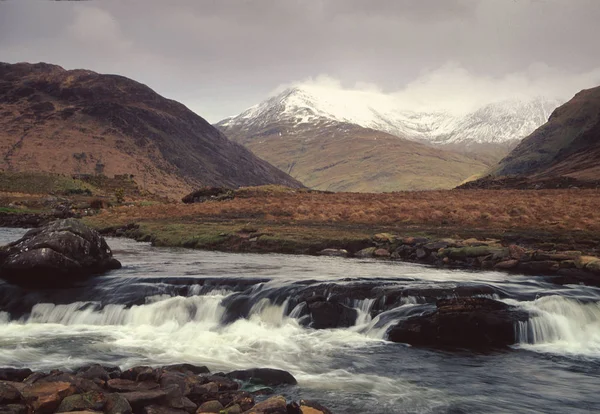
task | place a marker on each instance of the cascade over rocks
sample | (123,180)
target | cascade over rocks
(474,323)
(56,254)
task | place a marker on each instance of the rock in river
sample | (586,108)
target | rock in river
(56,254)
(473,323)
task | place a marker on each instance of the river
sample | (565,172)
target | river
(169,305)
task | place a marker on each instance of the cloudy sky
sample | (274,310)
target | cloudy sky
(220,56)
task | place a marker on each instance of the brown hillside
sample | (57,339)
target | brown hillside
(82,122)
(561,153)
(346,157)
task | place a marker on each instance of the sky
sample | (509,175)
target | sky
(219,57)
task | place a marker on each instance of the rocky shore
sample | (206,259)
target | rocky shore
(564,266)
(172,389)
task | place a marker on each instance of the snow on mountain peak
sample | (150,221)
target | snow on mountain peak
(311,103)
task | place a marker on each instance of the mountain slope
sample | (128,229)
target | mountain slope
(335,156)
(79,121)
(564,151)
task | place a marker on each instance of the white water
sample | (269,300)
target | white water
(561,325)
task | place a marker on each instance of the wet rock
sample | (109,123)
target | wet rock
(234,409)
(82,385)
(507,264)
(365,253)
(141,373)
(462,253)
(14,374)
(45,397)
(123,385)
(117,404)
(90,401)
(187,368)
(593,266)
(545,256)
(472,323)
(540,267)
(274,405)
(9,394)
(422,254)
(14,409)
(223,383)
(94,372)
(313,407)
(384,238)
(56,254)
(264,376)
(213,406)
(159,409)
(140,399)
(382,253)
(516,252)
(333,252)
(327,315)
(435,246)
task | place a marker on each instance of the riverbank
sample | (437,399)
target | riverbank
(172,389)
(548,232)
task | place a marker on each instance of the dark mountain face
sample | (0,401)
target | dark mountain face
(563,152)
(80,121)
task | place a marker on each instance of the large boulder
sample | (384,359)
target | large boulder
(60,252)
(474,323)
(327,315)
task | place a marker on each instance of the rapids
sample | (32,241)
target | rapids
(235,311)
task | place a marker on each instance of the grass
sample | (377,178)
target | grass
(42,183)
(303,221)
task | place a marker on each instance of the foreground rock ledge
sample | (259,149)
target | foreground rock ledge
(56,254)
(173,389)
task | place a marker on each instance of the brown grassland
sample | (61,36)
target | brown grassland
(301,221)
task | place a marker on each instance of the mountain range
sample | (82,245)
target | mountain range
(81,122)
(338,140)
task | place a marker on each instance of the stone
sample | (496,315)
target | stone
(56,254)
(82,385)
(234,409)
(516,252)
(140,399)
(582,261)
(462,253)
(365,253)
(472,323)
(14,409)
(264,376)
(45,397)
(327,315)
(384,238)
(435,246)
(224,383)
(213,406)
(381,253)
(14,374)
(507,264)
(333,252)
(159,409)
(544,256)
(187,368)
(94,372)
(593,266)
(313,407)
(9,394)
(92,401)
(141,373)
(539,268)
(274,405)
(123,385)
(422,254)
(117,404)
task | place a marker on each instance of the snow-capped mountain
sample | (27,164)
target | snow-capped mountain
(495,123)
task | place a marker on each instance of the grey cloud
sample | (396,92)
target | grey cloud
(220,56)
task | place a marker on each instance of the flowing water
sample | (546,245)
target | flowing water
(231,311)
